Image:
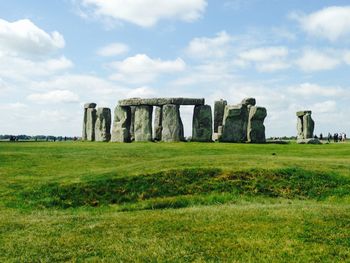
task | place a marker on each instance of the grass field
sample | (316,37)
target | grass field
(174,202)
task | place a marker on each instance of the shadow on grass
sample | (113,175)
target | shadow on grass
(181,188)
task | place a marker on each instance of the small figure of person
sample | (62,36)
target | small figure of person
(329,137)
(335,137)
(321,136)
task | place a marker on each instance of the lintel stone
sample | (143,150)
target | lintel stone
(161,101)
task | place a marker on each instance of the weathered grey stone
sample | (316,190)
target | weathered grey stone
(172,124)
(202,124)
(309,141)
(103,125)
(256,128)
(308,125)
(158,117)
(302,113)
(90,124)
(249,101)
(143,123)
(305,125)
(219,109)
(132,123)
(161,101)
(121,124)
(234,124)
(86,106)
(90,105)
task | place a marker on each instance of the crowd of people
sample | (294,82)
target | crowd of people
(336,137)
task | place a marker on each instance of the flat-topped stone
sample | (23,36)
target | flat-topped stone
(303,112)
(90,105)
(161,101)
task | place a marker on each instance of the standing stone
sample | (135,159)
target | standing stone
(121,124)
(308,125)
(172,124)
(305,125)
(86,107)
(234,129)
(158,123)
(103,125)
(90,124)
(219,109)
(143,123)
(256,128)
(202,124)
(132,122)
(305,128)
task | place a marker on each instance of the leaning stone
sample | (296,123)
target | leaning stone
(161,101)
(158,123)
(121,124)
(202,124)
(90,124)
(219,109)
(103,125)
(249,101)
(256,128)
(234,124)
(143,123)
(172,124)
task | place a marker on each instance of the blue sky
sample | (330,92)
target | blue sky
(56,55)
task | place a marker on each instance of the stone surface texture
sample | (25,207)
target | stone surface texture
(121,124)
(305,125)
(173,130)
(86,106)
(103,125)
(249,102)
(90,124)
(161,101)
(234,124)
(256,128)
(143,123)
(219,109)
(157,125)
(202,124)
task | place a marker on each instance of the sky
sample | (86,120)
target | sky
(57,55)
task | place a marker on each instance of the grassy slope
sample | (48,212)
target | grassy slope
(245,228)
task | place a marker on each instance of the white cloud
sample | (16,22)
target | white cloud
(54,96)
(331,23)
(209,47)
(264,54)
(314,60)
(141,68)
(24,37)
(347,57)
(142,92)
(146,13)
(113,49)
(310,89)
(17,68)
(328,106)
(272,66)
(265,59)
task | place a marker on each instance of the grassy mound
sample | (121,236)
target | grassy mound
(181,188)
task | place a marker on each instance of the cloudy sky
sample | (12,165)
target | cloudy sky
(56,55)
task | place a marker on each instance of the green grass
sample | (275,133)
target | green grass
(174,202)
